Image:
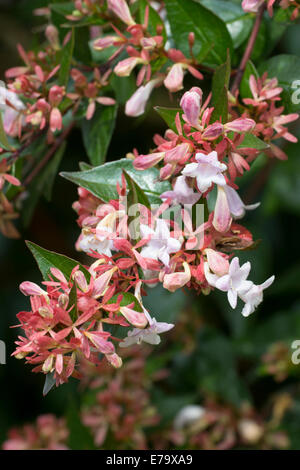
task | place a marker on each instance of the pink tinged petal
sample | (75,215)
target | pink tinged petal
(210,277)
(115,360)
(137,319)
(59,363)
(174,281)
(100,342)
(213,131)
(245,270)
(58,275)
(223,283)
(30,288)
(147,161)
(217,263)
(177,153)
(174,80)
(121,9)
(55,120)
(12,180)
(107,41)
(240,125)
(125,67)
(232,298)
(253,86)
(81,281)
(90,110)
(222,217)
(102,282)
(105,100)
(135,106)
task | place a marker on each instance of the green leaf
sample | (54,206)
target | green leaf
(65,61)
(220,84)
(101,180)
(244,86)
(48,259)
(136,194)
(97,132)
(63,8)
(251,141)
(127,299)
(153,21)
(123,87)
(49,383)
(168,115)
(238,22)
(286,68)
(85,166)
(3,138)
(80,436)
(211,36)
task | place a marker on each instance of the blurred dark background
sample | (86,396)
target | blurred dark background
(54,227)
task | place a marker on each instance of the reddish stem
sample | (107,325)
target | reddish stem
(49,154)
(248,50)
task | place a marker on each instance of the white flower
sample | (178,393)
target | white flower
(207,170)
(236,206)
(182,193)
(149,335)
(161,244)
(234,283)
(188,415)
(102,244)
(136,104)
(254,296)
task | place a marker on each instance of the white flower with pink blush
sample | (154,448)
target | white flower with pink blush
(161,244)
(136,104)
(182,193)
(207,170)
(254,296)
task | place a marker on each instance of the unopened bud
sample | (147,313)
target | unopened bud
(63,300)
(45,312)
(53,36)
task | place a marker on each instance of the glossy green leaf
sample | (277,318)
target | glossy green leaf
(48,259)
(220,84)
(168,115)
(101,180)
(251,141)
(238,23)
(211,36)
(65,61)
(97,132)
(250,69)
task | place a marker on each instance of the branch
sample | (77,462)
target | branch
(49,154)
(248,50)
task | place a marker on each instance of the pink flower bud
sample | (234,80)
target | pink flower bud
(213,131)
(222,217)
(177,153)
(142,162)
(80,280)
(174,79)
(251,6)
(30,288)
(98,338)
(218,264)
(137,319)
(191,105)
(107,41)
(240,125)
(56,94)
(55,120)
(114,359)
(174,281)
(52,35)
(135,106)
(125,67)
(121,9)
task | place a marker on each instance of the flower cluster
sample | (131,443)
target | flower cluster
(122,409)
(48,433)
(269,118)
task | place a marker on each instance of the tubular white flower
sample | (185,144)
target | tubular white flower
(207,170)
(161,244)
